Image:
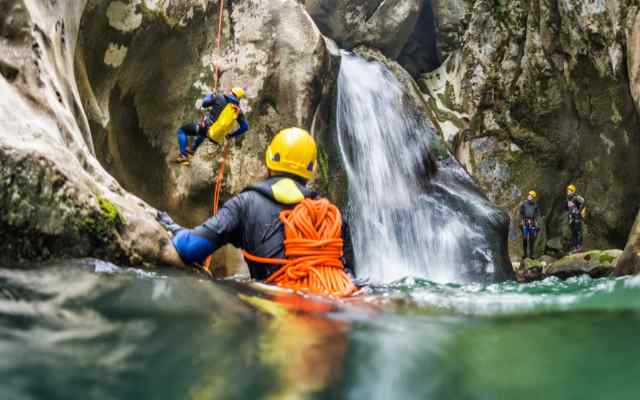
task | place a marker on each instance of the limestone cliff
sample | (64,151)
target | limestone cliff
(95,90)
(539,94)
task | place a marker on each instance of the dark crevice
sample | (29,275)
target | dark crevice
(9,72)
(420,54)
(374,11)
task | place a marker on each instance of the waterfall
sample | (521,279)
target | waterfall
(413,211)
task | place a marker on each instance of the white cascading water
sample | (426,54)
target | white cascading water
(399,228)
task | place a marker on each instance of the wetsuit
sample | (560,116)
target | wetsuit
(249,221)
(575,205)
(529,213)
(215,103)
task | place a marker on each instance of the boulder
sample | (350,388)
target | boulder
(385,25)
(596,263)
(629,261)
(529,270)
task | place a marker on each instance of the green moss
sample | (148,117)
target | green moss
(449,98)
(606,258)
(104,223)
(111,212)
(323,178)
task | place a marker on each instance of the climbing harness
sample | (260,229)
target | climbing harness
(220,176)
(313,246)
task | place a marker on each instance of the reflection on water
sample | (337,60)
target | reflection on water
(88,329)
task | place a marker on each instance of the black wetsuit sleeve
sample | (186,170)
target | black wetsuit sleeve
(225,227)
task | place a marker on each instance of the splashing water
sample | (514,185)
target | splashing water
(411,215)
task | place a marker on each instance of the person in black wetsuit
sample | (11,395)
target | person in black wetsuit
(529,214)
(250,220)
(575,209)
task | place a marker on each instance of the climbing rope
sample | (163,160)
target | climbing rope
(313,246)
(216,80)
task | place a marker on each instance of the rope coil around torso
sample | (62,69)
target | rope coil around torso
(314,247)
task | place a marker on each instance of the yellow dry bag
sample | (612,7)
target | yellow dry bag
(226,123)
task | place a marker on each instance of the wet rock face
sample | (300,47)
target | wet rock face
(143,70)
(451,20)
(403,30)
(55,197)
(116,79)
(383,25)
(537,96)
(629,262)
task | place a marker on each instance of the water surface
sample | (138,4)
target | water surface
(88,329)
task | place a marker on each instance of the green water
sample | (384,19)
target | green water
(89,330)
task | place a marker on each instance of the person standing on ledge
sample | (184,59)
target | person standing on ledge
(223,119)
(576,209)
(529,214)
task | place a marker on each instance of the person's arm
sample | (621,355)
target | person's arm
(209,100)
(580,204)
(244,126)
(195,245)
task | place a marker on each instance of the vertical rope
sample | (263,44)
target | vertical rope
(216,81)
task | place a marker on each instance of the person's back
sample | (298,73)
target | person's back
(251,221)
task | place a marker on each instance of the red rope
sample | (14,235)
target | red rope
(216,80)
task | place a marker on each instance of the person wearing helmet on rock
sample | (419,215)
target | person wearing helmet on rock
(250,220)
(224,118)
(575,209)
(529,214)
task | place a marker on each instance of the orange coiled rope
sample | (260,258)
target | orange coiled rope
(314,247)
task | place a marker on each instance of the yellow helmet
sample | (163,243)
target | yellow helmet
(572,188)
(533,194)
(238,92)
(292,150)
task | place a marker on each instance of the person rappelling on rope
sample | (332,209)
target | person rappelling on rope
(290,236)
(529,214)
(224,118)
